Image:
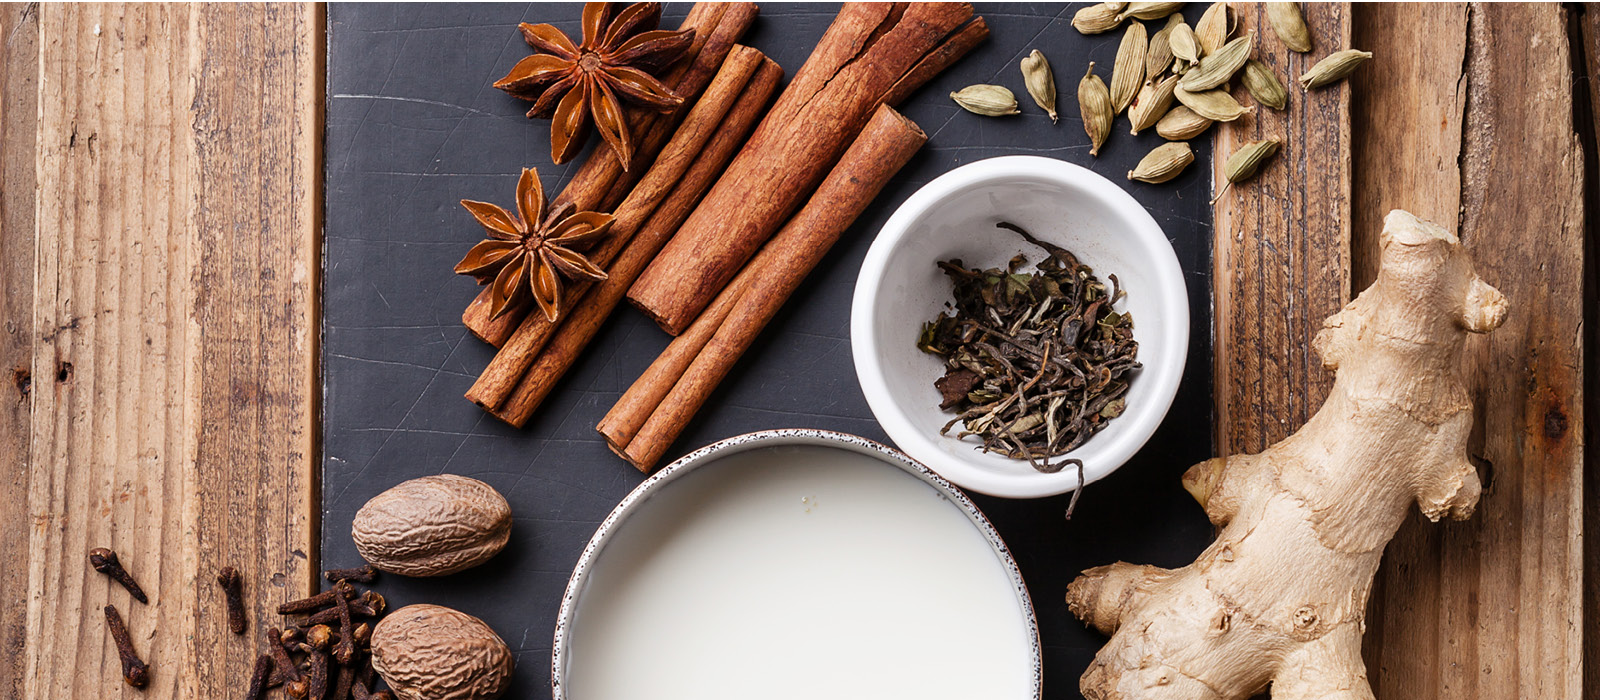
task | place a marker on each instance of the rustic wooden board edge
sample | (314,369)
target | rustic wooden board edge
(19,106)
(173,328)
(1585,35)
(1490,607)
(1282,245)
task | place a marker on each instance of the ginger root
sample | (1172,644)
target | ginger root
(1279,598)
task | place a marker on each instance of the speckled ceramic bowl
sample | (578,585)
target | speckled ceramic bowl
(613,558)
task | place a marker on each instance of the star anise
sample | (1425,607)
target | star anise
(616,62)
(531,253)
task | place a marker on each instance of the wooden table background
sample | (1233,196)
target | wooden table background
(160,213)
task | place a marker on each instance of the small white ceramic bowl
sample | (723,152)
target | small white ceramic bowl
(901,287)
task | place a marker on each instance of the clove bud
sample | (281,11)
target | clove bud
(105,561)
(134,671)
(232,591)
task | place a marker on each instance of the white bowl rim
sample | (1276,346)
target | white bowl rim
(1100,458)
(778,438)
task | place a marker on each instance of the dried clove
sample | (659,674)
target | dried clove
(358,608)
(318,601)
(345,681)
(105,561)
(134,671)
(319,637)
(360,574)
(317,685)
(260,677)
(286,672)
(345,652)
(232,590)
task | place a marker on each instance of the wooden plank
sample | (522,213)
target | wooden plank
(19,110)
(1586,42)
(177,268)
(1491,607)
(1282,254)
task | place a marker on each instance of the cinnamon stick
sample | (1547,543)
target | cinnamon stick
(802,137)
(646,421)
(500,378)
(574,334)
(957,45)
(601,182)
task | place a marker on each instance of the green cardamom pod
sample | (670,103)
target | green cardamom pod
(1159,56)
(1216,105)
(1150,10)
(1289,25)
(1127,73)
(1184,46)
(1098,18)
(1094,101)
(1041,82)
(1163,163)
(1217,68)
(1264,85)
(1245,163)
(1334,68)
(1152,103)
(1214,27)
(1181,124)
(987,100)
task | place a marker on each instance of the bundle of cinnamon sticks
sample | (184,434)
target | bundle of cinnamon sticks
(710,235)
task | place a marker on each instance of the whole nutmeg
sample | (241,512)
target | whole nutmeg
(432,526)
(430,652)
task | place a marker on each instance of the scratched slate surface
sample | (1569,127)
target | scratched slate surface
(413,126)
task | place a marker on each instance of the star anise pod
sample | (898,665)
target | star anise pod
(617,61)
(531,253)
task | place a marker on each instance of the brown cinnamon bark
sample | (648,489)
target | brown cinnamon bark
(959,44)
(601,182)
(500,378)
(811,125)
(648,418)
(570,340)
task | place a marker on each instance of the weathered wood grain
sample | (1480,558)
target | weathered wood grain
(1281,256)
(19,107)
(1478,135)
(174,335)
(1586,41)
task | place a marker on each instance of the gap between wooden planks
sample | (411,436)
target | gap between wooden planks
(1465,117)
(160,349)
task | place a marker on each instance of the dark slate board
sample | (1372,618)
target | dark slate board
(413,126)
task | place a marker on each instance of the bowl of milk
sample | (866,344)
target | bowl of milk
(794,565)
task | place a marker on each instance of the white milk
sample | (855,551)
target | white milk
(803,573)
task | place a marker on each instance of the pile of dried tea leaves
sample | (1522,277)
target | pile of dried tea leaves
(1036,362)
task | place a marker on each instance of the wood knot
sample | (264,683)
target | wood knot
(1555,422)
